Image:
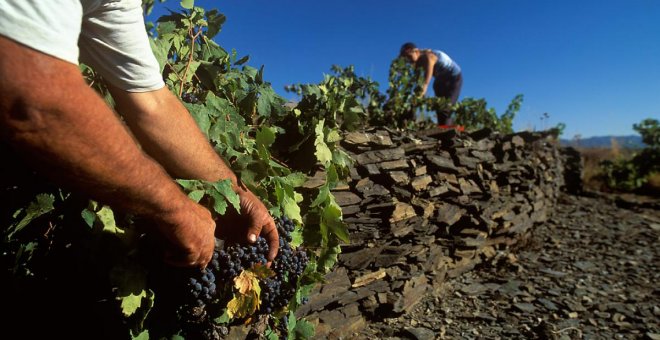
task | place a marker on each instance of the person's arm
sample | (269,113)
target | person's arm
(60,125)
(167,132)
(429,61)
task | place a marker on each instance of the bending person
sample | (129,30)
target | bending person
(436,64)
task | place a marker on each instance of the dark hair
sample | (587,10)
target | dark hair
(406,47)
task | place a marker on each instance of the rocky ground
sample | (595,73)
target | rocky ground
(590,272)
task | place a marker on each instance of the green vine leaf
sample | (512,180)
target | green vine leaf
(265,136)
(323,153)
(187,4)
(328,258)
(291,208)
(304,329)
(107,219)
(144,335)
(196,195)
(224,187)
(42,204)
(296,237)
(267,99)
(332,218)
(131,281)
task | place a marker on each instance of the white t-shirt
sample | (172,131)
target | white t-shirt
(108,35)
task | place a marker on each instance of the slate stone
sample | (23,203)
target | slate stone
(524,307)
(399,177)
(449,213)
(442,163)
(413,291)
(421,183)
(401,212)
(359,259)
(346,198)
(379,156)
(395,165)
(420,333)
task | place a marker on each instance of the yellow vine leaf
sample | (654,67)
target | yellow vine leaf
(246,297)
(242,305)
(247,282)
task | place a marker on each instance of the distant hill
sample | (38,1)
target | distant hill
(632,142)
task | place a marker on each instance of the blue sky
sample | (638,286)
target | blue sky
(593,65)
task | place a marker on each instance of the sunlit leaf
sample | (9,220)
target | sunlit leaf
(144,335)
(131,281)
(107,218)
(241,306)
(322,196)
(42,204)
(224,187)
(246,282)
(295,179)
(332,218)
(323,153)
(196,195)
(187,4)
(333,136)
(265,136)
(291,208)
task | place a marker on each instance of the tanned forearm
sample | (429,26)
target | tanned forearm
(168,133)
(73,137)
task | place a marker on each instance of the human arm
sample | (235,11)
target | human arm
(428,60)
(64,129)
(168,133)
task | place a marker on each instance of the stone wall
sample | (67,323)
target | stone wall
(425,207)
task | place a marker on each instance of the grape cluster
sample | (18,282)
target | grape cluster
(230,261)
(190,98)
(204,287)
(277,291)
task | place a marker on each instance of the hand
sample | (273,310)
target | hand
(253,220)
(424,89)
(190,230)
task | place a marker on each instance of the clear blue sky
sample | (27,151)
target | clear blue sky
(591,64)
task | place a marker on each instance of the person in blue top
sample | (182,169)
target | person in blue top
(436,64)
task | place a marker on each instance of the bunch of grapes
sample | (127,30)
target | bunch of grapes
(277,291)
(190,98)
(203,287)
(230,261)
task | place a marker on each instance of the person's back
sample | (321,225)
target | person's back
(445,65)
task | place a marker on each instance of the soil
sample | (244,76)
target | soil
(590,272)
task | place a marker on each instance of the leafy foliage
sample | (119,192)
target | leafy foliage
(649,129)
(401,107)
(632,174)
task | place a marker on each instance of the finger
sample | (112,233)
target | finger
(206,255)
(253,232)
(271,235)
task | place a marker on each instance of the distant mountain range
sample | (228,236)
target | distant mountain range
(632,141)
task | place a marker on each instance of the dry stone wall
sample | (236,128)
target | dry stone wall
(425,207)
